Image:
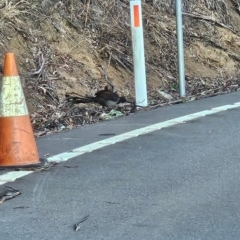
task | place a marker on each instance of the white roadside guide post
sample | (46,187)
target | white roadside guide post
(138,53)
(181,70)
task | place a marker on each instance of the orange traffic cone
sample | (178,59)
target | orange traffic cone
(17,142)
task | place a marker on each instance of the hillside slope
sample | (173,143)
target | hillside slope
(60,47)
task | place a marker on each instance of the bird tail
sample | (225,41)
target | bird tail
(75,98)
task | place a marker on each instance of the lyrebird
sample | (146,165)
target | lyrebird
(106,98)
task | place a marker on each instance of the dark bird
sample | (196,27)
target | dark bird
(106,98)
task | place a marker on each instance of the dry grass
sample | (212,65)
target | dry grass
(11,11)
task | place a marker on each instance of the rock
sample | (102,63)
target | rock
(164,95)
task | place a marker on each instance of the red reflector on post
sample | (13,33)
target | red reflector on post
(136,13)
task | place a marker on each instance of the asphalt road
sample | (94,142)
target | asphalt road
(181,182)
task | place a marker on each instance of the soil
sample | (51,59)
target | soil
(61,46)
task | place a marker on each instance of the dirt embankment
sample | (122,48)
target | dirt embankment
(60,46)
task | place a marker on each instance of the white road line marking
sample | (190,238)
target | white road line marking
(65,156)
(119,138)
(12,176)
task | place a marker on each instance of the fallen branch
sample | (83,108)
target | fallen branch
(41,68)
(167,104)
(88,4)
(106,78)
(78,225)
(9,194)
(208,18)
